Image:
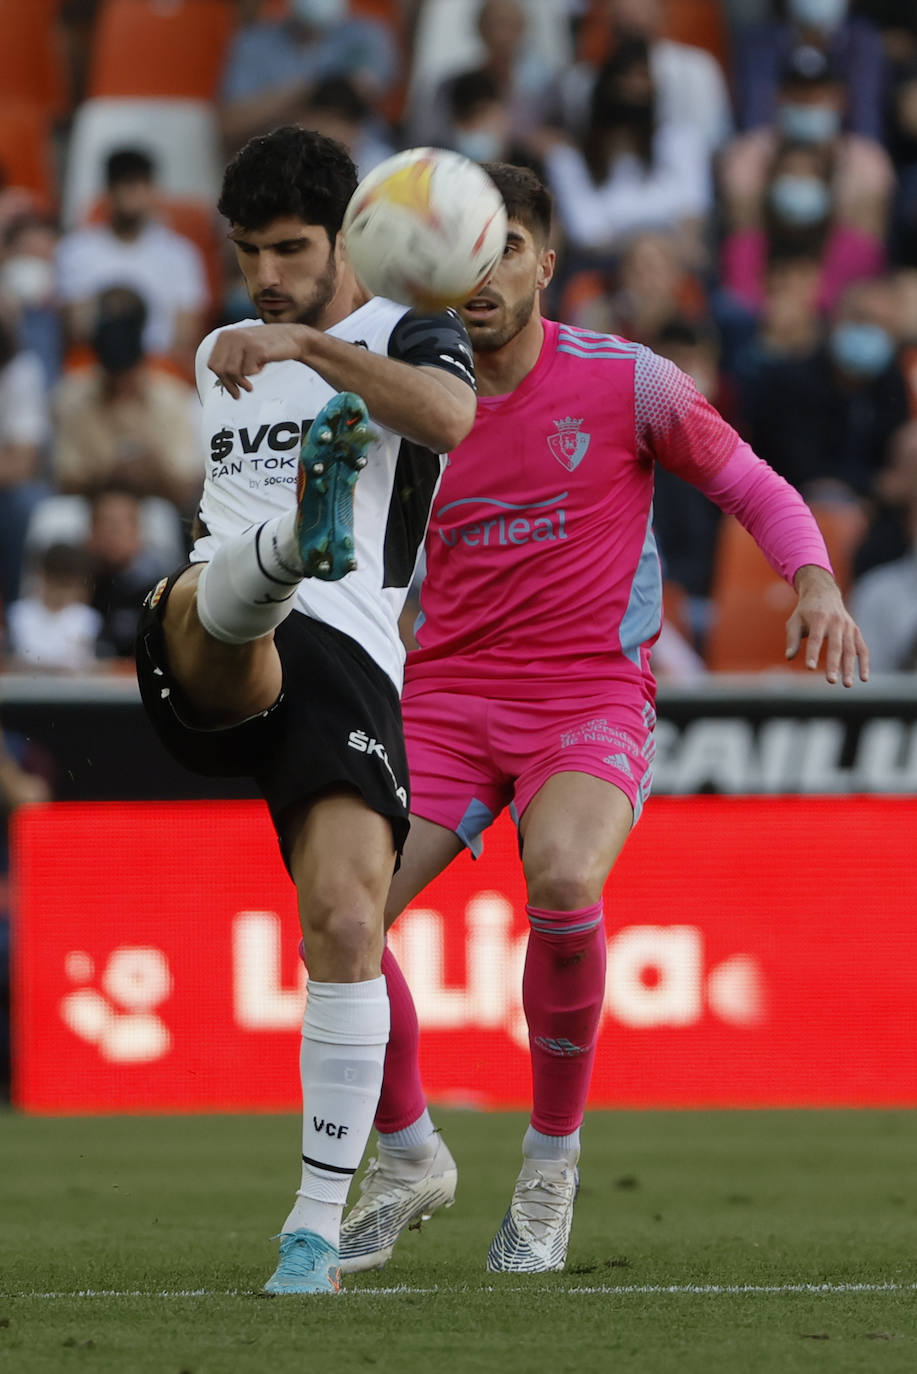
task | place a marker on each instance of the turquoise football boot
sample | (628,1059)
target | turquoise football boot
(308,1264)
(330,461)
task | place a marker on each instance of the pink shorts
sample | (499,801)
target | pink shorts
(471,756)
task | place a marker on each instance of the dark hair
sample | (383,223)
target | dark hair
(290,171)
(681,332)
(340,96)
(525,196)
(469,91)
(119,490)
(128,164)
(66,563)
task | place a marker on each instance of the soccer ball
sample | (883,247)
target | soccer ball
(425,228)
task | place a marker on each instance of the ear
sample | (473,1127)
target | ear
(546,265)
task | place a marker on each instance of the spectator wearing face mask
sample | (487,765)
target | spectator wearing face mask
(479,123)
(800,221)
(824,421)
(29,244)
(511,70)
(809,109)
(274,64)
(632,172)
(852,44)
(123,421)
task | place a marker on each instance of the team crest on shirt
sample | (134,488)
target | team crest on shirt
(570,443)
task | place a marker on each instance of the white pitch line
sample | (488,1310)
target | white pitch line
(600,1290)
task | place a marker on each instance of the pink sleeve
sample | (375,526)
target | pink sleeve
(772,511)
(678,428)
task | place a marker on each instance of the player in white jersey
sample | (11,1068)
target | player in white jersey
(276,652)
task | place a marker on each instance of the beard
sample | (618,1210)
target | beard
(310,311)
(323,293)
(127,223)
(488,338)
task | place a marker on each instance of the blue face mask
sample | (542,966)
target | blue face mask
(800,200)
(809,123)
(321,14)
(480,145)
(863,350)
(818,14)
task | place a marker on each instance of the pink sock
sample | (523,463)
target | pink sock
(402,1099)
(563,987)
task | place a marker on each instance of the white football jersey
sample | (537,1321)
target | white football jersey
(252,455)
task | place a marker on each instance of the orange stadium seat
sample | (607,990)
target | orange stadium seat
(32,68)
(700,23)
(25,149)
(200,223)
(751,603)
(145,48)
(181,135)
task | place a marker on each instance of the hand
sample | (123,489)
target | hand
(821,617)
(241,353)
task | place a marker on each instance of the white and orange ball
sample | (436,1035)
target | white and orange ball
(426,228)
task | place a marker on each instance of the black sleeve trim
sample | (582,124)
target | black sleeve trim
(434,341)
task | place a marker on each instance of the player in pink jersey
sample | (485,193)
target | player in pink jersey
(532,687)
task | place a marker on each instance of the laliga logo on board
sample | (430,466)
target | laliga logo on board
(658,976)
(120,1020)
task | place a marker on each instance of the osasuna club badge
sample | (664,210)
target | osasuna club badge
(569,444)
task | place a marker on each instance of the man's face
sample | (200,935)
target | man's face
(504,304)
(291,271)
(131,202)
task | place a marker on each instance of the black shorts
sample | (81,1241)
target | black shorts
(336,724)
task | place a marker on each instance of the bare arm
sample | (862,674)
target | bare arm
(426,404)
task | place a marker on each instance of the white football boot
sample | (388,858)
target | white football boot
(396,1194)
(535,1232)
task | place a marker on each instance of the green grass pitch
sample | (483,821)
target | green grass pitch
(702,1242)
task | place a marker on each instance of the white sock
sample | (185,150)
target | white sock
(414,1142)
(344,1035)
(247,588)
(537,1145)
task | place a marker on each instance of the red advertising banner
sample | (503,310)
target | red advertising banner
(761,952)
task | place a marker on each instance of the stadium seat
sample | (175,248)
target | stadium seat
(26,157)
(182,136)
(751,603)
(32,66)
(699,23)
(147,48)
(843,524)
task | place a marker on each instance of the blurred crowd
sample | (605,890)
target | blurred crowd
(736,186)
